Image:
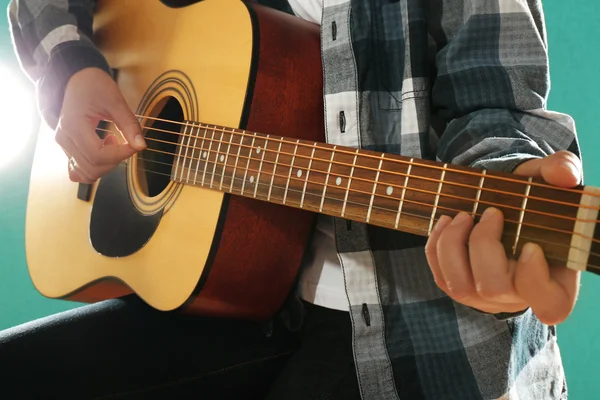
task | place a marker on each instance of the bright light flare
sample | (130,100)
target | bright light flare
(17,115)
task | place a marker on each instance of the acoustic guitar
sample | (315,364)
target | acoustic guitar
(213,218)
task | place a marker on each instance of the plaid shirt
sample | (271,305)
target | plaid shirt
(460,81)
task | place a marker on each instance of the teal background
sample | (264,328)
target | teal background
(572,32)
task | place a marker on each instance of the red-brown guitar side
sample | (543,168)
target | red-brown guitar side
(255,268)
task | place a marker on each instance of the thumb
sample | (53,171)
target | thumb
(127,123)
(562,168)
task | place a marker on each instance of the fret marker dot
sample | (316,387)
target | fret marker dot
(258,150)
(222,158)
(389,190)
(204,155)
(338,181)
(299,173)
(251,179)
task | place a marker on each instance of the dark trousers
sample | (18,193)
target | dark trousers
(122,349)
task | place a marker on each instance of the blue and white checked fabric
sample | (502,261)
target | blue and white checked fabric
(460,81)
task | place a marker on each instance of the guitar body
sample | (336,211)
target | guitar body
(222,62)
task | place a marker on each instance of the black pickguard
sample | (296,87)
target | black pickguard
(117,229)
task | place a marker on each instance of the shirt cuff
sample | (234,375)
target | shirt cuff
(65,60)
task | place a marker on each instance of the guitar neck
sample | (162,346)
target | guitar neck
(390,191)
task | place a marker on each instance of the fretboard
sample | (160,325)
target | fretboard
(381,189)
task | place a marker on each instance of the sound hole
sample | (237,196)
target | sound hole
(156,162)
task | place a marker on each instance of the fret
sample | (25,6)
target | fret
(328,175)
(460,192)
(200,151)
(218,156)
(584,252)
(315,183)
(299,184)
(507,196)
(478,196)
(226,160)
(280,156)
(420,196)
(349,183)
(179,153)
(312,156)
(290,172)
(327,179)
(189,169)
(391,203)
(237,158)
(193,154)
(206,156)
(521,216)
(274,169)
(361,186)
(261,163)
(374,189)
(399,213)
(187,158)
(437,199)
(549,222)
(248,164)
(260,153)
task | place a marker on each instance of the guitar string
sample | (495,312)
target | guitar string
(277,164)
(509,235)
(382,196)
(401,200)
(486,176)
(216,128)
(360,204)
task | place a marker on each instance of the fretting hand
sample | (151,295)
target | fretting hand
(91,95)
(470,264)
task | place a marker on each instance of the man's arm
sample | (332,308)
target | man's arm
(52,40)
(492,87)
(493,83)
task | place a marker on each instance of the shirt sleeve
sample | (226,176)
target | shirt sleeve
(492,85)
(53,40)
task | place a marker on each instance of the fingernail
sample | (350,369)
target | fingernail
(461,218)
(527,252)
(488,213)
(139,141)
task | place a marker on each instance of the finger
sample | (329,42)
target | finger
(489,263)
(455,267)
(127,123)
(453,258)
(431,250)
(551,292)
(93,155)
(87,170)
(76,174)
(562,168)
(98,153)
(431,253)
(74,157)
(111,140)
